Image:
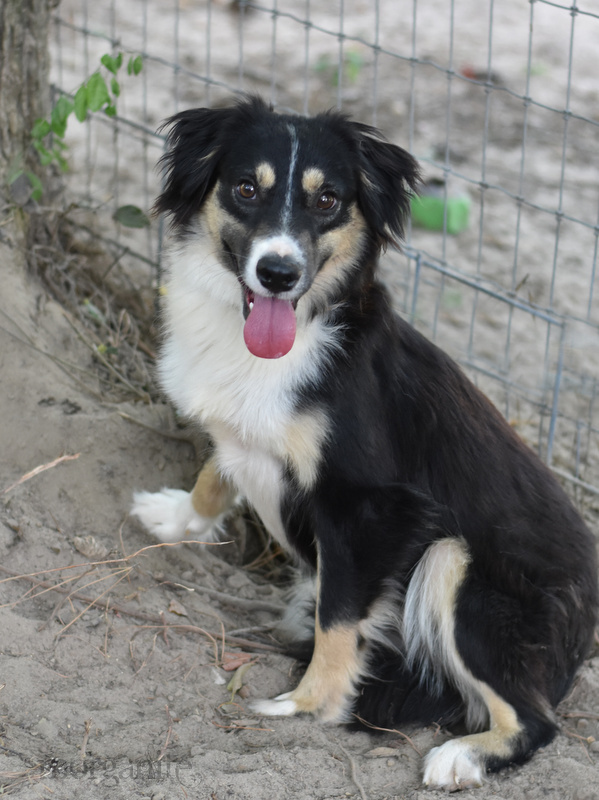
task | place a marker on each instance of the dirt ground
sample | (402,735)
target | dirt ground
(127,697)
(116,655)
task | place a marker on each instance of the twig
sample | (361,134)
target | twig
(168,734)
(235,727)
(582,740)
(82,749)
(38,470)
(150,618)
(390,730)
(578,715)
(92,602)
(104,361)
(354,771)
(240,602)
(180,436)
(14,576)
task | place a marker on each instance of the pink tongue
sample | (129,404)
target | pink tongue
(269,331)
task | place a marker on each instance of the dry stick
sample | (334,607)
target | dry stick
(580,739)
(95,601)
(390,730)
(104,563)
(41,468)
(88,725)
(180,436)
(168,734)
(50,587)
(579,715)
(240,602)
(354,772)
(150,618)
(104,361)
(108,627)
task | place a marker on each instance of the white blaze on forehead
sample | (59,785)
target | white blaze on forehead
(291,174)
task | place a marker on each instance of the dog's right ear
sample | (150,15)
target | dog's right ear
(194,146)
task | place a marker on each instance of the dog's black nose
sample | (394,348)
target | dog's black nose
(277,273)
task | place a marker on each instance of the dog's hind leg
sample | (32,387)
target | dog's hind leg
(173,515)
(518,721)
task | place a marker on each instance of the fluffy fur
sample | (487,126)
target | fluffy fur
(453,580)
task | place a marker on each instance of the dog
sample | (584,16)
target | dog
(453,580)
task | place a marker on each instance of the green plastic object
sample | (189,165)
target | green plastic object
(428,209)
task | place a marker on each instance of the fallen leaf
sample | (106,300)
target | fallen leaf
(232,661)
(175,607)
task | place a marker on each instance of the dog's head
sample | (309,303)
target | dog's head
(294,206)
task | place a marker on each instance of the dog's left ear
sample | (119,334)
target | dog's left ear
(388,177)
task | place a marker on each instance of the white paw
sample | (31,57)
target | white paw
(170,516)
(453,766)
(280,706)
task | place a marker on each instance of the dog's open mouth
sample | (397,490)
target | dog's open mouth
(269,330)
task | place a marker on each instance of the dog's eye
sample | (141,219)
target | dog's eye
(246,189)
(326,201)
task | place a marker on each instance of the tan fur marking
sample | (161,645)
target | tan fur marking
(345,245)
(303,445)
(265,173)
(211,495)
(215,215)
(504,725)
(312,180)
(332,673)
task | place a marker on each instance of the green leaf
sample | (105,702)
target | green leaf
(36,186)
(57,156)
(110,110)
(81,104)
(97,92)
(135,65)
(60,115)
(40,128)
(131,217)
(116,87)
(111,63)
(46,157)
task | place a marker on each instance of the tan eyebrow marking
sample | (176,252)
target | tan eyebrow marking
(265,174)
(312,180)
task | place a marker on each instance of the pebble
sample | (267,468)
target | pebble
(237,580)
(381,752)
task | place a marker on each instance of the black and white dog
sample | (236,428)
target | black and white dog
(454,581)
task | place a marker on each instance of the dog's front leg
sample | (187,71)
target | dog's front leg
(329,684)
(173,515)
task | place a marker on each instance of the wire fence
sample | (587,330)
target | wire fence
(497,100)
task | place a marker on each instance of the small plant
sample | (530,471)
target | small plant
(98,93)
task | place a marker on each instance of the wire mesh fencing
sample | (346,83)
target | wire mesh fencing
(497,100)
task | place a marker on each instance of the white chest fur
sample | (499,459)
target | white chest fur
(247,404)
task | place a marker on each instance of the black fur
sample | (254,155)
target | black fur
(415,453)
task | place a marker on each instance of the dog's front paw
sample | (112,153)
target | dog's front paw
(169,516)
(453,766)
(328,703)
(280,706)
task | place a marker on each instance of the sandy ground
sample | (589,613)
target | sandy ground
(127,697)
